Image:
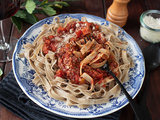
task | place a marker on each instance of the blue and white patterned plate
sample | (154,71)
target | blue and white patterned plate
(24,74)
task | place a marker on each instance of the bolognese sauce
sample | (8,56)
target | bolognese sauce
(68,62)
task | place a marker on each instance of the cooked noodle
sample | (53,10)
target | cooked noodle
(67,58)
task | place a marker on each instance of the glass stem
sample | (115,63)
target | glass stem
(3,45)
(2,34)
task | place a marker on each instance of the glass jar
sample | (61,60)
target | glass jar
(150,26)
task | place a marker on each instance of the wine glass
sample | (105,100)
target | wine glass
(7,9)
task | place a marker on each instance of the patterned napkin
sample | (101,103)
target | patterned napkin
(13,98)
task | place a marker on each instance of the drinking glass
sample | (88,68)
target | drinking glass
(7,9)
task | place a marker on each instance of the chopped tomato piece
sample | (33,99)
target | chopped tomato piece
(104,85)
(59,73)
(71,25)
(53,47)
(86,31)
(51,36)
(45,49)
(47,41)
(100,81)
(80,22)
(97,27)
(76,79)
(79,33)
(44,39)
(60,30)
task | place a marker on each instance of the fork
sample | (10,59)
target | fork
(141,112)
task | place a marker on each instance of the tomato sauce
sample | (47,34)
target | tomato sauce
(68,63)
(49,44)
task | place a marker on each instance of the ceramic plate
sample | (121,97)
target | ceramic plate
(24,74)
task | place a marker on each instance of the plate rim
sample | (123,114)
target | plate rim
(73,116)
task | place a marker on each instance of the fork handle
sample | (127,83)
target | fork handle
(141,113)
(143,94)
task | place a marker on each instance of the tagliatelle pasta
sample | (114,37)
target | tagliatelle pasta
(67,58)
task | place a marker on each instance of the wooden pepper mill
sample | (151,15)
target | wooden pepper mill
(118,12)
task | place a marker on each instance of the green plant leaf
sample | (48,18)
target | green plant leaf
(23,4)
(58,6)
(56,2)
(44,2)
(39,11)
(17,22)
(37,2)
(30,18)
(1,72)
(49,11)
(30,6)
(20,14)
(61,3)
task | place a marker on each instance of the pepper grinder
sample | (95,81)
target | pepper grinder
(118,12)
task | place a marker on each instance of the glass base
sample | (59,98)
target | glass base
(4,47)
(6,50)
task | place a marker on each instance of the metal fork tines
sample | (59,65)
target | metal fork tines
(88,38)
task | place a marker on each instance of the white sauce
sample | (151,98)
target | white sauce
(148,34)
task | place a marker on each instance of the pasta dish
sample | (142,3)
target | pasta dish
(67,58)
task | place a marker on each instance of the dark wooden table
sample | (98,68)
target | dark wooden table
(98,8)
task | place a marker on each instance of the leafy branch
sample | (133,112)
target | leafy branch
(29,8)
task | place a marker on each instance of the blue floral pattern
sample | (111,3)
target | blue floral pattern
(24,74)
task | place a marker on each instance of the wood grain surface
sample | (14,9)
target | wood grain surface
(98,8)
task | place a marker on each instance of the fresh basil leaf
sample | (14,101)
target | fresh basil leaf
(30,18)
(17,22)
(20,14)
(30,6)
(49,11)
